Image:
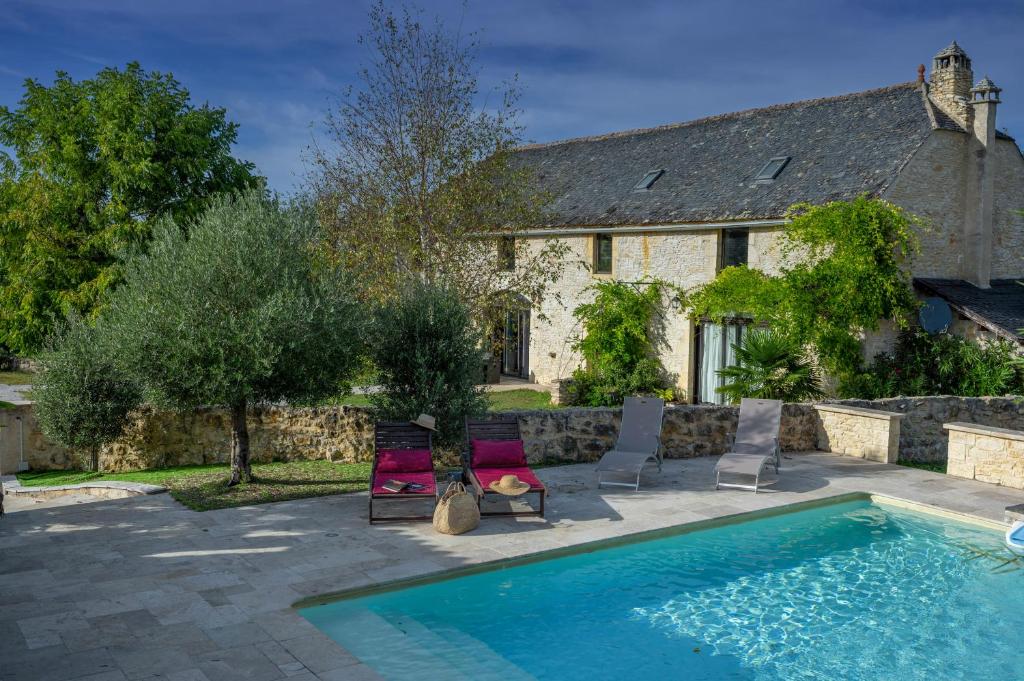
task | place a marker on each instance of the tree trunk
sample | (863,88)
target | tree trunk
(241,469)
(95,459)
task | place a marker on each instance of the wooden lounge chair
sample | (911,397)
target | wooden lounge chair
(402,451)
(756,444)
(639,441)
(495,448)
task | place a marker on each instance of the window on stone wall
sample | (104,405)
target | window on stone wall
(507,253)
(602,254)
(735,247)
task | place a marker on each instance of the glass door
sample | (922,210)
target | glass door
(717,351)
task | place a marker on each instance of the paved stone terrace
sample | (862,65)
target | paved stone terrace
(143,588)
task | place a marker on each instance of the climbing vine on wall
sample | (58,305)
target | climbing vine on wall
(622,330)
(845,268)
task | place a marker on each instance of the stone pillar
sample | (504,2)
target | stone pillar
(979,195)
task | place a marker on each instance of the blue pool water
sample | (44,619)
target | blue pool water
(851,591)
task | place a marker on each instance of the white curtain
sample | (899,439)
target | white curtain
(710,361)
(717,352)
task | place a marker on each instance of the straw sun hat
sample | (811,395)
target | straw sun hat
(425,421)
(510,485)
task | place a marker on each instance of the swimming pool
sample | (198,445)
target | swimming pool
(854,590)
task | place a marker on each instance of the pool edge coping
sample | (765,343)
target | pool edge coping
(574,549)
(638,537)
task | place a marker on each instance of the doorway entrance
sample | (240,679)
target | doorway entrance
(515,350)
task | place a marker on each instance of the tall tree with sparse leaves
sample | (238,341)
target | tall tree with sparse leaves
(92,164)
(418,180)
(234,309)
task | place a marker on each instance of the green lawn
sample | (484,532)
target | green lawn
(6,405)
(508,400)
(925,466)
(520,400)
(203,488)
(17,377)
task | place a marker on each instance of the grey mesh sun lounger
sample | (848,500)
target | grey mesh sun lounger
(756,445)
(639,441)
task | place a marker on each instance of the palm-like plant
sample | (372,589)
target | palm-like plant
(770,366)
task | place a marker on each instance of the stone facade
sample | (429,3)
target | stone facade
(684,259)
(933,187)
(994,455)
(864,433)
(1007,220)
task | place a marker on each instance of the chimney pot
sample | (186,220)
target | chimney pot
(920,73)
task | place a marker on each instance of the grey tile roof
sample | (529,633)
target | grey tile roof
(840,147)
(999,309)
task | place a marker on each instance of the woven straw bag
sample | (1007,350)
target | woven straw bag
(457,511)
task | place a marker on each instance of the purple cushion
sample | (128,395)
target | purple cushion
(404,460)
(498,453)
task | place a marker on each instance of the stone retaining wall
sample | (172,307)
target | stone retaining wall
(921,435)
(987,454)
(864,433)
(575,434)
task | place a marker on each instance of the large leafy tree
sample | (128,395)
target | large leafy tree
(92,164)
(416,173)
(845,268)
(234,310)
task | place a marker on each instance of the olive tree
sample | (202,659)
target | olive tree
(235,309)
(82,400)
(427,352)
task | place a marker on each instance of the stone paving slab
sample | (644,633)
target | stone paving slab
(143,588)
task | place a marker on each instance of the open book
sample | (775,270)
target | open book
(399,486)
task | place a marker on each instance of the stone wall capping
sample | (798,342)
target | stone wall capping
(904,428)
(858,411)
(990,431)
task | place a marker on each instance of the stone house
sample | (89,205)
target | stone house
(681,201)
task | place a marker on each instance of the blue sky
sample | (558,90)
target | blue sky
(586,67)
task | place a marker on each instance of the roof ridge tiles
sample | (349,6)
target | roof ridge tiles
(913,85)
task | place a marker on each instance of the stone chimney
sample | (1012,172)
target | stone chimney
(951,80)
(979,197)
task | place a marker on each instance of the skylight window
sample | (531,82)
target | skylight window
(772,169)
(649,179)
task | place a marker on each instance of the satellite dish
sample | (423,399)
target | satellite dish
(935,315)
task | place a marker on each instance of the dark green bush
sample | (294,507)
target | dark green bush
(621,334)
(943,364)
(428,357)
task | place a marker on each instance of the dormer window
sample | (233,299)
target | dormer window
(648,180)
(772,169)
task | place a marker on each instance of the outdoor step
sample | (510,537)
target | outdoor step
(408,654)
(473,657)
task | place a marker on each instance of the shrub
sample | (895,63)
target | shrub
(922,364)
(770,366)
(621,333)
(82,400)
(429,360)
